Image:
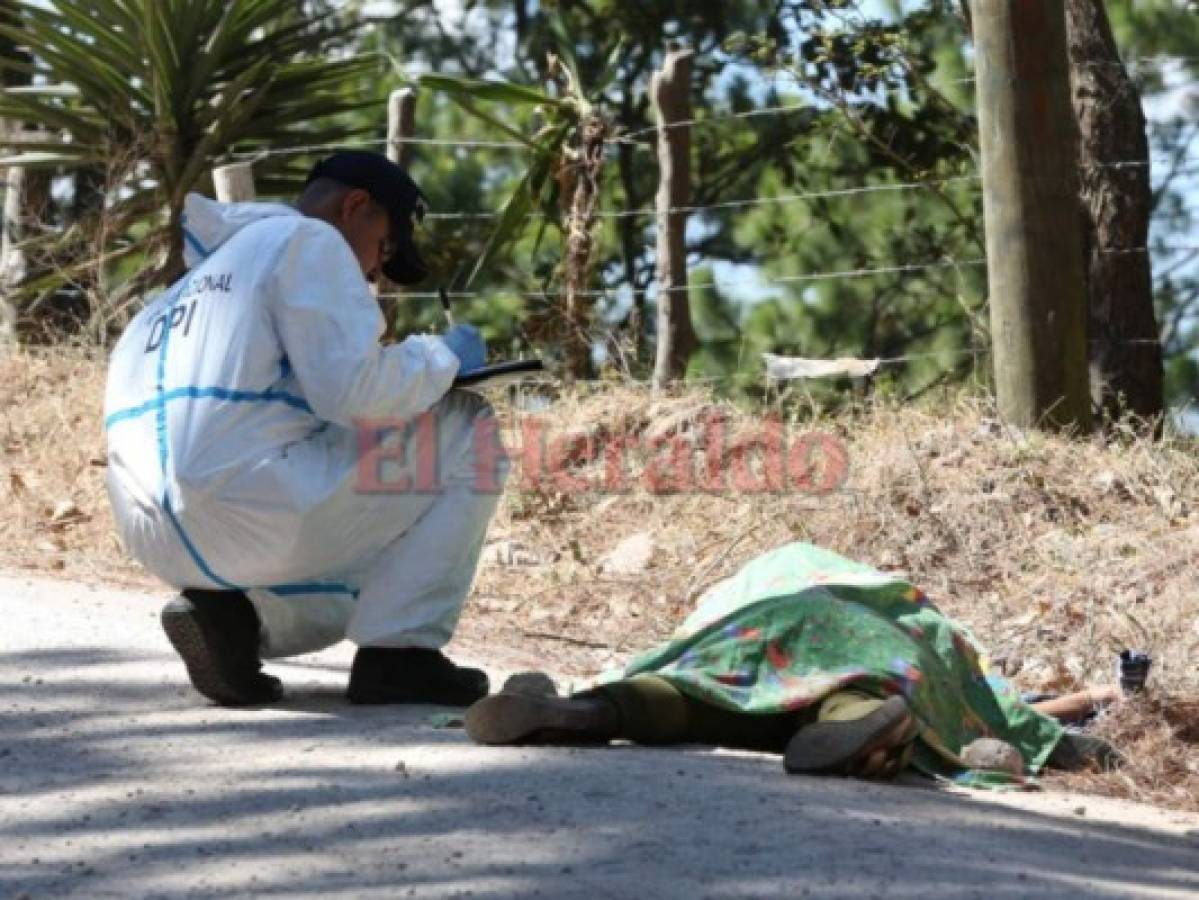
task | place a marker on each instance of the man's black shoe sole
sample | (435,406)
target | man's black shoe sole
(215,669)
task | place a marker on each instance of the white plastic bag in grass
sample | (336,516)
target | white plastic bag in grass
(787,368)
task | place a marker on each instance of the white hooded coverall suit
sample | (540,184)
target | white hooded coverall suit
(260,438)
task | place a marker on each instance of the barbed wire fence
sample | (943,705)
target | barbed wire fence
(641,138)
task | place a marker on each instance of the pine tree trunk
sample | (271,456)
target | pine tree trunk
(1125,355)
(580,248)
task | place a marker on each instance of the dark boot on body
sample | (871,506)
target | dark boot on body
(217,634)
(854,744)
(413,675)
(521,716)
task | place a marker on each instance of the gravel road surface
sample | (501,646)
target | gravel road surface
(116,780)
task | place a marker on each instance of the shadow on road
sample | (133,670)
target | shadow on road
(117,780)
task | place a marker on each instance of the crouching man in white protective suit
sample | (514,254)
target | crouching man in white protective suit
(300,482)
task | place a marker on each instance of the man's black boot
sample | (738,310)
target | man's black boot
(413,675)
(217,634)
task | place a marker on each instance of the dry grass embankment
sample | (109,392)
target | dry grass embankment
(1057,553)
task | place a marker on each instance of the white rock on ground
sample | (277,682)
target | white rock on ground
(116,780)
(631,556)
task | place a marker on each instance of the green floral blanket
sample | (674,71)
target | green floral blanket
(799,623)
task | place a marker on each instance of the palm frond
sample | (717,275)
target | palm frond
(158,90)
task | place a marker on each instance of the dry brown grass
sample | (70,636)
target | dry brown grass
(1056,552)
(52,468)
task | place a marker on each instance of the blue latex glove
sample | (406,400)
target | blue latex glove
(467,344)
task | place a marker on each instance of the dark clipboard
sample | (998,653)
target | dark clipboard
(501,374)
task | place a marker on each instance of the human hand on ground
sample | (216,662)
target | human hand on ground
(466,343)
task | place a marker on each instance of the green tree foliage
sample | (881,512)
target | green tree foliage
(565,164)
(905,259)
(876,104)
(152,92)
(877,97)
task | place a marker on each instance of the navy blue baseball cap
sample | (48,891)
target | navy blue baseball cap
(392,188)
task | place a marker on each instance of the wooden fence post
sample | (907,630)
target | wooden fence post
(234,183)
(1030,200)
(670,92)
(10,265)
(26,199)
(401,125)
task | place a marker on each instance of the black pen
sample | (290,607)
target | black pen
(445,305)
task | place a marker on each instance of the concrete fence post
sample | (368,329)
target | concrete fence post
(234,183)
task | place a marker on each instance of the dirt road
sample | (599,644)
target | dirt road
(117,780)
